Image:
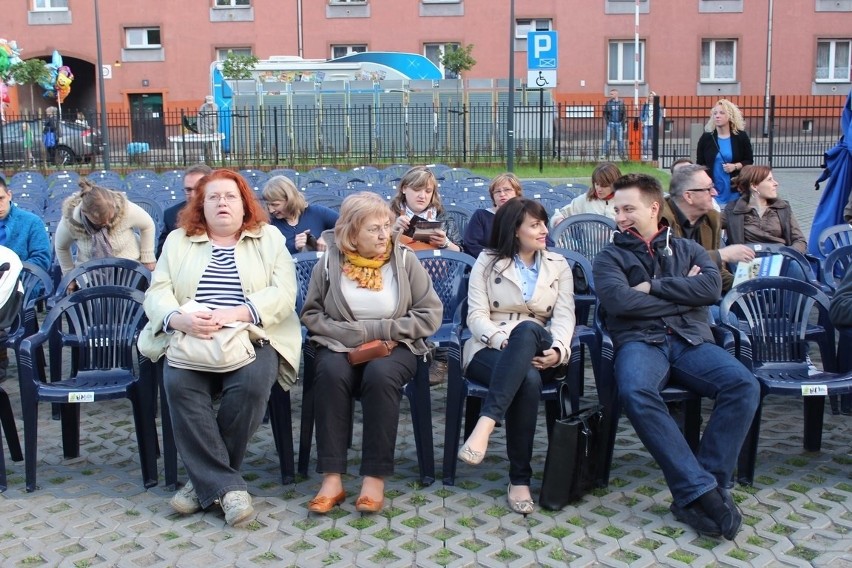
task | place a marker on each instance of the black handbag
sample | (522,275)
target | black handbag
(575,454)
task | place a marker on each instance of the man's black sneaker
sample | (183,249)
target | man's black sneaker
(695,516)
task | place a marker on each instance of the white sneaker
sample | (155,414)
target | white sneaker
(237,507)
(185,501)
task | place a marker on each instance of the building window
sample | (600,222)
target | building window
(44,5)
(348,1)
(233,3)
(434,52)
(718,60)
(343,50)
(833,60)
(523,27)
(142,38)
(621,57)
(222,52)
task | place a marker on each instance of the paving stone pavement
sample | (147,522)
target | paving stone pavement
(94,510)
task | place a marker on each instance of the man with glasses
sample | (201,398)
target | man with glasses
(689,211)
(190,180)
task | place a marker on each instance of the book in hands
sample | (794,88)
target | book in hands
(422,230)
(759,267)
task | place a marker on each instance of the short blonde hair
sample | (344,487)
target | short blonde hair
(509,178)
(97,201)
(282,188)
(735,116)
(354,212)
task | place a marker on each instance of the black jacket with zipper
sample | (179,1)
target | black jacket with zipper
(676,304)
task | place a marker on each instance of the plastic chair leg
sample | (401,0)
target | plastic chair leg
(282,427)
(306,433)
(814,407)
(420,401)
(7,419)
(456,393)
(748,453)
(70,414)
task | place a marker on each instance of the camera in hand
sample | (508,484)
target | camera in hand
(310,243)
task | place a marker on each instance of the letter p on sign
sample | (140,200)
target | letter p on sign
(542,46)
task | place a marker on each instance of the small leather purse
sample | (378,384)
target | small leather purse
(374,349)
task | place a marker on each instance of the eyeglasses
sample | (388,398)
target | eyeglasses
(216,198)
(710,189)
(376,229)
(504,191)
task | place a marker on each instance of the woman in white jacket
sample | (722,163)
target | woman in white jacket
(597,200)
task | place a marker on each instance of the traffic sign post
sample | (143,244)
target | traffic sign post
(542,59)
(542,62)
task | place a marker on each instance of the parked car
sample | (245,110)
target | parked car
(77,143)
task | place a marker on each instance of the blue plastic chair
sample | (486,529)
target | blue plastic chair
(100,326)
(773,315)
(585,233)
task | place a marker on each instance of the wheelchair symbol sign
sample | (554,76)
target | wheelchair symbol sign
(541,79)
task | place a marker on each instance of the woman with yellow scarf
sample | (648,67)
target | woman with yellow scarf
(366,287)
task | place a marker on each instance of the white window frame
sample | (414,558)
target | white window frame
(441,1)
(833,63)
(48,6)
(232,4)
(145,45)
(347,1)
(525,25)
(350,49)
(222,52)
(442,47)
(621,64)
(712,67)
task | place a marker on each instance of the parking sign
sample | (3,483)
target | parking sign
(542,59)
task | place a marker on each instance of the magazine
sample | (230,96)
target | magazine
(422,230)
(761,266)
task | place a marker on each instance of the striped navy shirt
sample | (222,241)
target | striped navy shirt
(220,285)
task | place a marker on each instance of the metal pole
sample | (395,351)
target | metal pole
(510,112)
(541,130)
(102,94)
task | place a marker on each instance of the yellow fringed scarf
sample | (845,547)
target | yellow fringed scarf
(366,272)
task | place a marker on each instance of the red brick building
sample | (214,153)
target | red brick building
(158,53)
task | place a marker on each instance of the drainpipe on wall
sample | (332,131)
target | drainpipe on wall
(299,27)
(768,70)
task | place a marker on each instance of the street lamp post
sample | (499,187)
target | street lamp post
(510,112)
(102,95)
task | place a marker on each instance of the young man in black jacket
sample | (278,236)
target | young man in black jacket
(654,290)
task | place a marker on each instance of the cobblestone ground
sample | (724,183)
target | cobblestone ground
(94,511)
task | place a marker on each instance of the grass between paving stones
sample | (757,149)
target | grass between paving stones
(625,556)
(682,556)
(474,545)
(384,555)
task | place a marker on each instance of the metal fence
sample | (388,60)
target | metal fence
(785,132)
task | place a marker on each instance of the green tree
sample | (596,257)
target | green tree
(238,67)
(458,59)
(30,72)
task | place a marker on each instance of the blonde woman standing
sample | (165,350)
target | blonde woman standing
(724,148)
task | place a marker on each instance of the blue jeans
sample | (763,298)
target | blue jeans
(213,444)
(614,130)
(647,142)
(514,391)
(642,370)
